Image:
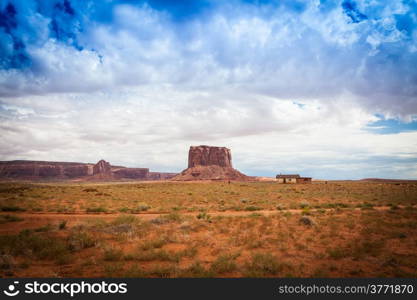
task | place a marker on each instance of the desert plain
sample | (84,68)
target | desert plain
(208,229)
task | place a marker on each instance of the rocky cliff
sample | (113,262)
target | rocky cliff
(210,163)
(102,167)
(161,175)
(43,169)
(132,173)
(209,156)
(101,171)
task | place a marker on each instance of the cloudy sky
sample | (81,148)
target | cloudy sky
(323,88)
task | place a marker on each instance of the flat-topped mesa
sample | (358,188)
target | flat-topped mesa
(210,163)
(101,167)
(209,156)
(49,170)
(28,170)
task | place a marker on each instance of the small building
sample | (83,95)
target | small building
(292,178)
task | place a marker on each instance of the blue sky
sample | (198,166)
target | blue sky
(324,88)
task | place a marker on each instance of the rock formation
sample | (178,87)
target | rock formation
(102,167)
(101,171)
(132,173)
(161,175)
(43,169)
(210,163)
(209,156)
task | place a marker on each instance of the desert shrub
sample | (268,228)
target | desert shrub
(79,239)
(398,235)
(152,244)
(6,262)
(11,208)
(203,216)
(64,259)
(45,228)
(163,271)
(9,218)
(280,207)
(196,270)
(62,225)
(262,264)
(367,248)
(135,271)
(394,207)
(176,208)
(304,204)
(255,215)
(306,211)
(112,254)
(90,190)
(125,219)
(141,207)
(357,249)
(96,210)
(13,189)
(306,221)
(173,217)
(252,208)
(337,253)
(189,252)
(124,210)
(41,247)
(113,270)
(366,205)
(335,205)
(224,264)
(159,254)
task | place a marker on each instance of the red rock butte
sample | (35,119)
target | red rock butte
(210,163)
(208,156)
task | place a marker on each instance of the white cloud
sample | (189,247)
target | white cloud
(144,128)
(284,91)
(282,54)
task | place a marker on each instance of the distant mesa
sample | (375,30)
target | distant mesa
(210,163)
(204,163)
(102,167)
(102,170)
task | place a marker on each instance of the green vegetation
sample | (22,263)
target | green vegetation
(62,225)
(163,196)
(214,229)
(263,264)
(11,208)
(96,210)
(252,208)
(9,218)
(29,243)
(224,264)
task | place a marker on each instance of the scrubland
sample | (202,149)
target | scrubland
(208,229)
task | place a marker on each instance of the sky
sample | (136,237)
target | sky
(326,89)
